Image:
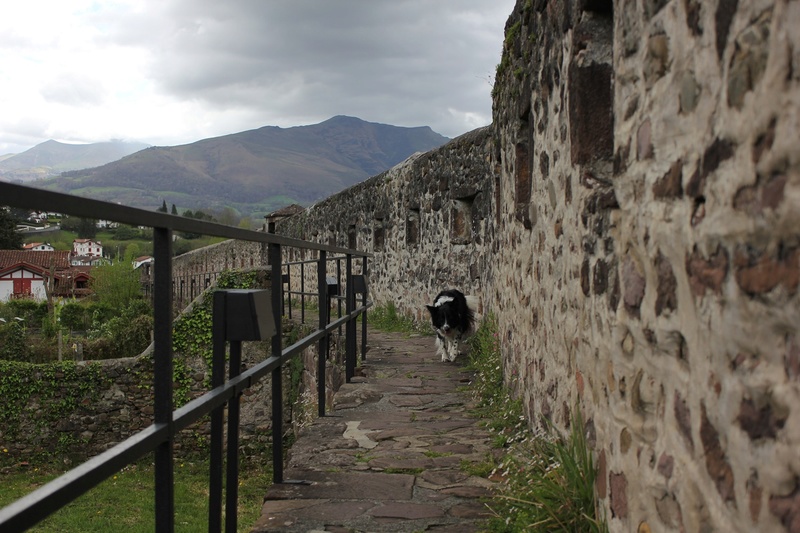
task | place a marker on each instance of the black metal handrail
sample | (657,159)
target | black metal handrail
(159,437)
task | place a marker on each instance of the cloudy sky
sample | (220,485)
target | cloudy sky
(170,72)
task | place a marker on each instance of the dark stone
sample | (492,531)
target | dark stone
(758,272)
(657,60)
(726,9)
(600,277)
(787,508)
(666,463)
(759,423)
(670,184)
(619,495)
(633,284)
(591,113)
(544,165)
(522,184)
(666,298)
(749,60)
(683,417)
(719,151)
(651,7)
(601,481)
(692,8)
(753,199)
(716,463)
(707,274)
(764,141)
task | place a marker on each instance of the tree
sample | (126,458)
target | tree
(163,208)
(87,228)
(117,284)
(9,238)
(174,210)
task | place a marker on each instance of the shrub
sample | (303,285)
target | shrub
(75,316)
(14,342)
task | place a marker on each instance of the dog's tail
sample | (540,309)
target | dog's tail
(472,303)
(472,307)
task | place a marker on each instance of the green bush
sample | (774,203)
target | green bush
(30,310)
(14,342)
(74,316)
(125,335)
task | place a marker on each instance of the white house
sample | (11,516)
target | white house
(87,247)
(22,280)
(38,247)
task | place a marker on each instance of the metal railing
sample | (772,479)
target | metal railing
(159,437)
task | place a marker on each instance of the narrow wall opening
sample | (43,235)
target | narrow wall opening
(461,220)
(412,227)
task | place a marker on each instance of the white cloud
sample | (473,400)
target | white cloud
(175,71)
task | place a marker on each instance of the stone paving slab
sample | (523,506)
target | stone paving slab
(390,455)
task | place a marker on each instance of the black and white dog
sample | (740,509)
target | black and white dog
(452,319)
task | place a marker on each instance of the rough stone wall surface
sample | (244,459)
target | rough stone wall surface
(635,217)
(658,142)
(425,221)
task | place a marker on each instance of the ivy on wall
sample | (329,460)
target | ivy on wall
(36,398)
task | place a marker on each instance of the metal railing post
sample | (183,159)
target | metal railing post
(232,479)
(350,329)
(277,374)
(364,314)
(218,327)
(162,379)
(324,307)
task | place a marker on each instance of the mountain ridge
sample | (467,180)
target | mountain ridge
(255,171)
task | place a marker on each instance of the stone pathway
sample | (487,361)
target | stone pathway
(390,455)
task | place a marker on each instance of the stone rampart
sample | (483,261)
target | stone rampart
(632,218)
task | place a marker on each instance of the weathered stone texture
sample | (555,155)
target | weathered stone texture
(635,229)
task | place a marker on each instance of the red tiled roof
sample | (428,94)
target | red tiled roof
(42,259)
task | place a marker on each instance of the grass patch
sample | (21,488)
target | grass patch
(386,318)
(125,501)
(547,480)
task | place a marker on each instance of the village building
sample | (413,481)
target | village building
(38,247)
(25,274)
(88,247)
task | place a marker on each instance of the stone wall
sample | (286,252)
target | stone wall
(632,218)
(426,221)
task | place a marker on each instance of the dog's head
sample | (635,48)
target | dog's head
(441,318)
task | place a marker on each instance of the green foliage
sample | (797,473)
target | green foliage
(386,318)
(14,344)
(126,334)
(191,333)
(74,316)
(548,479)
(23,386)
(116,284)
(31,311)
(9,238)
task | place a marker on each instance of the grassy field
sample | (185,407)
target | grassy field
(125,501)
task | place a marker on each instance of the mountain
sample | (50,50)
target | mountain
(253,172)
(50,158)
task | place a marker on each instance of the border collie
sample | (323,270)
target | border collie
(452,318)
